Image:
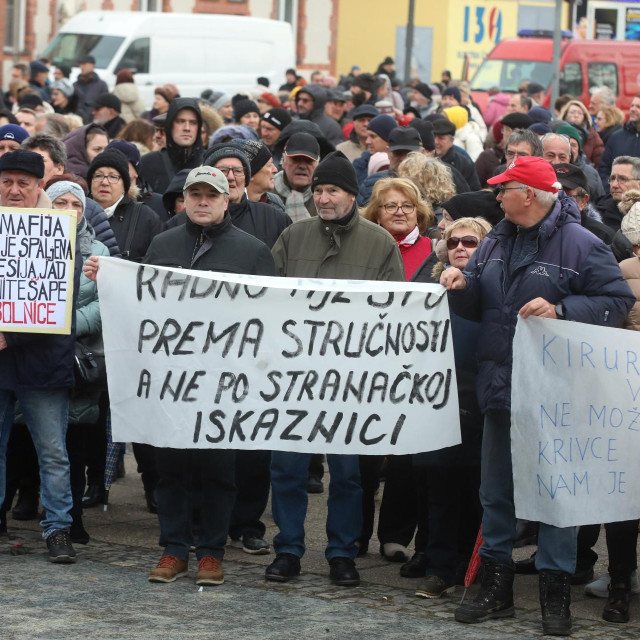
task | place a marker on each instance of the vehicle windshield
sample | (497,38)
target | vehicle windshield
(510,74)
(68,48)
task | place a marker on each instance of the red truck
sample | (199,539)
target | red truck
(583,64)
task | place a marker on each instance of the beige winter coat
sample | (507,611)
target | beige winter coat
(132,105)
(631,272)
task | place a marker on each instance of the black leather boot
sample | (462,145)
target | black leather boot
(495,598)
(93,496)
(555,602)
(617,607)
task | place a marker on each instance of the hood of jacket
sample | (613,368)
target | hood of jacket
(183,157)
(319,95)
(75,141)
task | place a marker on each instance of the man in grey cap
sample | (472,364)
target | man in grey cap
(293,183)
(206,242)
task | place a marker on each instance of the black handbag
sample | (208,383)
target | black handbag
(89,368)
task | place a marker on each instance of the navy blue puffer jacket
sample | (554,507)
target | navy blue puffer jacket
(562,263)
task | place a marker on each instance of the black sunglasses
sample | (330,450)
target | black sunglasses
(469,242)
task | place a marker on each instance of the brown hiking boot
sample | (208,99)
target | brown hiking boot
(169,568)
(210,571)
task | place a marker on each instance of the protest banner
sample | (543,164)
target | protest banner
(575,423)
(37,248)
(198,359)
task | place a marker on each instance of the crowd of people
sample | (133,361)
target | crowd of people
(367,178)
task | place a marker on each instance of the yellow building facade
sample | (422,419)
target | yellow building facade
(445,30)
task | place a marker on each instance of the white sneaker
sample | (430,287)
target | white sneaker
(600,588)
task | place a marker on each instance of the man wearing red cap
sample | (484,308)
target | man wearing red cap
(539,261)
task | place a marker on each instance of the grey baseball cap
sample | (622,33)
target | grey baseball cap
(207,175)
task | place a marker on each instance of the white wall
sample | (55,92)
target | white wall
(260,8)
(318,35)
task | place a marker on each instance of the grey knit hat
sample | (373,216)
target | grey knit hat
(61,187)
(227,150)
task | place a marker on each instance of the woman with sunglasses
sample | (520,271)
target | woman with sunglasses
(450,478)
(396,205)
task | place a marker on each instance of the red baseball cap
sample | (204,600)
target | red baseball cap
(530,170)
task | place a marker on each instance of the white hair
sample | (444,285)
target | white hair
(607,95)
(546,198)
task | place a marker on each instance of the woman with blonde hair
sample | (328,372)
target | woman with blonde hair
(432,176)
(576,114)
(609,119)
(397,206)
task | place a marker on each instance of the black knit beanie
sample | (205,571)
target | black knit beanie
(336,169)
(475,204)
(256,151)
(242,107)
(113,159)
(227,150)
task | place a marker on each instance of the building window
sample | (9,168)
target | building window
(9,34)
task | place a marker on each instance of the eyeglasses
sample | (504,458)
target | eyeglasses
(468,242)
(99,177)
(619,179)
(406,207)
(237,171)
(502,189)
(516,154)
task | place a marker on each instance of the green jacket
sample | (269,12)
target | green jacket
(359,250)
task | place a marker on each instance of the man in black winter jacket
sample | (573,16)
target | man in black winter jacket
(310,101)
(36,370)
(88,87)
(207,241)
(184,145)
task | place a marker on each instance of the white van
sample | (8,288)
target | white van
(192,51)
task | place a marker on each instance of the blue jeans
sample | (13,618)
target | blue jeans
(556,546)
(289,476)
(47,415)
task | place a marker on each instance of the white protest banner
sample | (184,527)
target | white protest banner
(575,422)
(198,359)
(37,248)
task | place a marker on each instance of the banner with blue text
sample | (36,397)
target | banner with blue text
(575,423)
(200,360)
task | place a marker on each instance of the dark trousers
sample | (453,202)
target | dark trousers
(23,472)
(96,444)
(622,539)
(253,481)
(146,458)
(215,469)
(76,436)
(399,506)
(370,480)
(454,518)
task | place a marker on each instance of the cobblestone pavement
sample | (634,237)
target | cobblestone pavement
(106,594)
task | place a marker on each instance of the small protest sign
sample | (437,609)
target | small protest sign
(198,359)
(575,423)
(37,248)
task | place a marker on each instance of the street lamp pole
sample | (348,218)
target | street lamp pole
(557,45)
(409,41)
